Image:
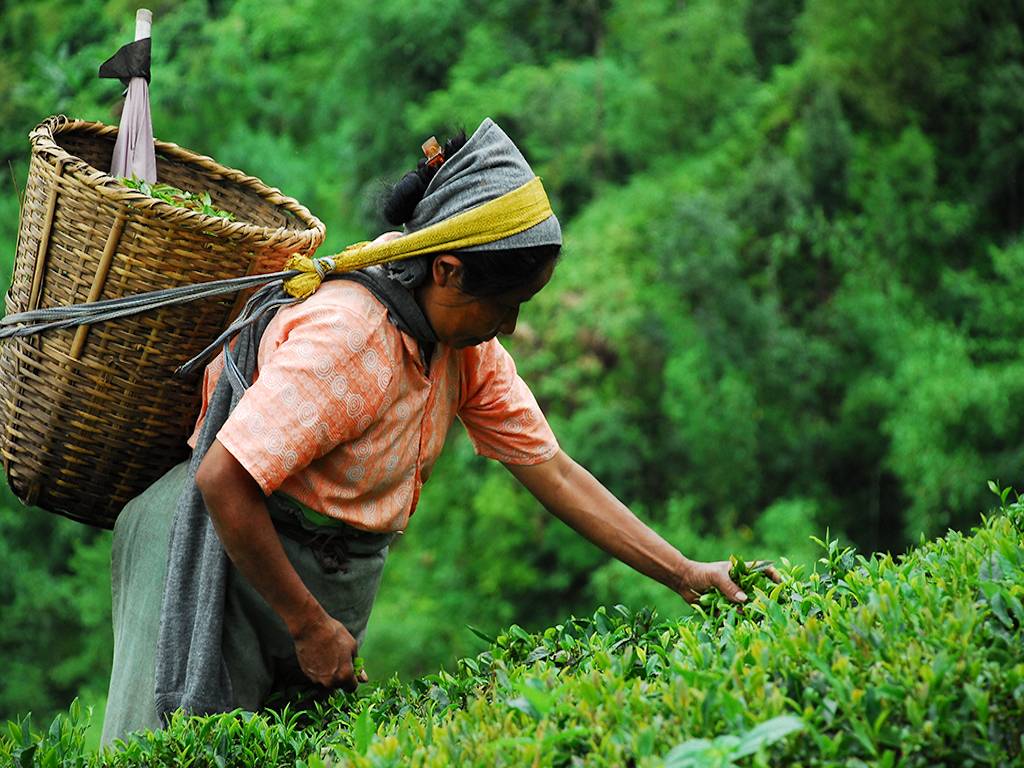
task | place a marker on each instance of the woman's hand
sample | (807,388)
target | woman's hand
(696,578)
(326,652)
(238,509)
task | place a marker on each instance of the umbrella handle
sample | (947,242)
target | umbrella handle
(143,23)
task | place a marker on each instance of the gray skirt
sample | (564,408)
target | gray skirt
(257,647)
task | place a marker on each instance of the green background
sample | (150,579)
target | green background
(789,298)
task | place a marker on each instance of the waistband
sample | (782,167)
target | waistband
(305,525)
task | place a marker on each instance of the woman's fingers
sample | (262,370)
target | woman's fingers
(327,655)
(345,678)
(767,569)
(704,576)
(727,586)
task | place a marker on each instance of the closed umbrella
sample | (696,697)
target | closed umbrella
(134,153)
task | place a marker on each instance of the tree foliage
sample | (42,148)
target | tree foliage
(788,299)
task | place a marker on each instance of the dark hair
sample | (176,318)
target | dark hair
(485,273)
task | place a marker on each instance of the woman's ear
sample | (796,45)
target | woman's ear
(447,271)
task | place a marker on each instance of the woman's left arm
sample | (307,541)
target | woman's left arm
(576,497)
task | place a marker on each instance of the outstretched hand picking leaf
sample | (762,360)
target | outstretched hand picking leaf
(747,576)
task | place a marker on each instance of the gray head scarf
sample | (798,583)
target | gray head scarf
(486,167)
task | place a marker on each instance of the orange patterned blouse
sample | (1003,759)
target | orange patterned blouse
(343,417)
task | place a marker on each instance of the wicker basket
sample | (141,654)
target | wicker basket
(92,415)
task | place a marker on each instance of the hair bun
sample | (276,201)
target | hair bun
(401,201)
(399,204)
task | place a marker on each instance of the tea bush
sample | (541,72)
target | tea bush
(860,662)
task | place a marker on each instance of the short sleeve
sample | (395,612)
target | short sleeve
(498,410)
(323,376)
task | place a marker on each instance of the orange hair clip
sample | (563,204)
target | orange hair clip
(433,152)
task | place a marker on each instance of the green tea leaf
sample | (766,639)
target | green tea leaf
(481,634)
(767,733)
(363,731)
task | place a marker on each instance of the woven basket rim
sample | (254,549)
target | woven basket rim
(43,141)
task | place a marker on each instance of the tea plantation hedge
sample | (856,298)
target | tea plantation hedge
(915,662)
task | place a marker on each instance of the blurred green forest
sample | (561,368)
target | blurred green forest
(789,298)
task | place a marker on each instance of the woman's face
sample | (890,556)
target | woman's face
(461,320)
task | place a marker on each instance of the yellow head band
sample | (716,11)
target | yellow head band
(502,217)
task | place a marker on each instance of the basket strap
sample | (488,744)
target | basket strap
(254,310)
(52,318)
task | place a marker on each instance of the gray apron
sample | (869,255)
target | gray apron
(257,648)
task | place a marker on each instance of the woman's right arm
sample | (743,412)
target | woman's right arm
(325,649)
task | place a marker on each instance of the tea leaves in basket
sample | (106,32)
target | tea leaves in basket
(200,203)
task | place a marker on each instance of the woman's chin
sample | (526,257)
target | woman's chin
(472,341)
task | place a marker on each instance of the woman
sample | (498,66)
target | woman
(320,463)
